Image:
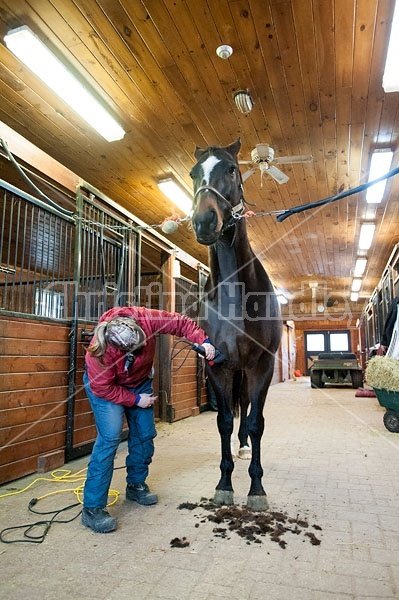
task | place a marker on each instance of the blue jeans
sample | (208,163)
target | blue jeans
(109,422)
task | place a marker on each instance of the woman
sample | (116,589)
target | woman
(118,383)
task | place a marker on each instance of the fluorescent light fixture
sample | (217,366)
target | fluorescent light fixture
(354,297)
(360,267)
(37,57)
(379,166)
(390,79)
(176,194)
(366,235)
(356,285)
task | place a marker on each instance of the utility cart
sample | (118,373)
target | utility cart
(336,367)
(389,400)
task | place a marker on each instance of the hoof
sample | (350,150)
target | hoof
(245,453)
(257,503)
(223,497)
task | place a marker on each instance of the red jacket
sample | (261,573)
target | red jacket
(107,376)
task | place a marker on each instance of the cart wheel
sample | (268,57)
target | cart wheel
(357,379)
(315,380)
(391,421)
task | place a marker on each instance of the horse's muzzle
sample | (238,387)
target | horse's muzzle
(206,228)
(207,241)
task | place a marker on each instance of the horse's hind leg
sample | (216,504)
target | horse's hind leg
(244,451)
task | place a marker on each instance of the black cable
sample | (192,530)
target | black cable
(30,182)
(297,209)
(187,347)
(28,530)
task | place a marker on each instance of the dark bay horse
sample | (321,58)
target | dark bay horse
(240,313)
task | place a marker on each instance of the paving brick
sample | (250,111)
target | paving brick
(326,456)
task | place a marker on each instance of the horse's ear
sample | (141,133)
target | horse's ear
(198,152)
(234,148)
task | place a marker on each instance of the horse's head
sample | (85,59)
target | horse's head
(217,191)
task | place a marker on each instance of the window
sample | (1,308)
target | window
(48,303)
(339,342)
(324,341)
(315,342)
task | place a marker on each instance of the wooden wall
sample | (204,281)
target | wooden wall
(34,368)
(184,390)
(33,391)
(84,429)
(324,325)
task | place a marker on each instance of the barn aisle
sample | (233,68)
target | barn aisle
(331,476)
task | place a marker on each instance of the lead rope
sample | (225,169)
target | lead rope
(284,214)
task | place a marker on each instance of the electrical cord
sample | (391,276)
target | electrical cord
(29,529)
(38,191)
(175,353)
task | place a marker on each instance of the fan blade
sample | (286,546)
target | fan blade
(245,162)
(286,160)
(277,175)
(248,173)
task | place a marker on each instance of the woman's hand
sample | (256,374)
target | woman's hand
(209,350)
(146,400)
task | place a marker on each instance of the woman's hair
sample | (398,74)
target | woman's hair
(122,332)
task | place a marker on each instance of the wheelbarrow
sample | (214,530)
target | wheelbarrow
(390,400)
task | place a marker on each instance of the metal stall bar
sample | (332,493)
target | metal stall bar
(100,277)
(73,335)
(27,259)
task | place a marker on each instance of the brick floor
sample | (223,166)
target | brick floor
(327,457)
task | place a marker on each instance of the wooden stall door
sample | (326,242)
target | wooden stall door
(33,395)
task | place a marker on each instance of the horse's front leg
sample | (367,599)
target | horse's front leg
(257,499)
(224,493)
(259,382)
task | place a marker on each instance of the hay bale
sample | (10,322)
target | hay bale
(383,373)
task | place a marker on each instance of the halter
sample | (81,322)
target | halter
(235,211)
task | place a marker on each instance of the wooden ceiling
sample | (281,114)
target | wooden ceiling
(314,70)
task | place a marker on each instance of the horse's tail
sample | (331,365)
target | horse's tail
(237,384)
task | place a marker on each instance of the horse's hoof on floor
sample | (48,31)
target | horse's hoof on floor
(257,503)
(245,453)
(223,497)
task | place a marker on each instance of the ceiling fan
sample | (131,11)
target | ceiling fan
(262,157)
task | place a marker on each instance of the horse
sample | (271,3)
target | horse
(239,311)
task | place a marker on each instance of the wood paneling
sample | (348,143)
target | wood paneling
(313,67)
(33,391)
(33,394)
(183,394)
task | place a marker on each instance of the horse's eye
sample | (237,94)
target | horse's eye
(232,169)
